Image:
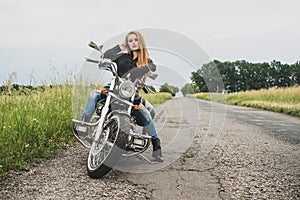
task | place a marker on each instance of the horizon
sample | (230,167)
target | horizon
(68,78)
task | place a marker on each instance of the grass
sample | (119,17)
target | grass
(36,124)
(282,100)
(157,98)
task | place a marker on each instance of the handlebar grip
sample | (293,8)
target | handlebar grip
(145,90)
(91,60)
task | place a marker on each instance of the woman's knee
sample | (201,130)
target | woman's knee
(149,107)
(95,96)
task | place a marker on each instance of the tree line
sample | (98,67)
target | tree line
(218,76)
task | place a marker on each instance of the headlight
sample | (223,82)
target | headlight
(127,89)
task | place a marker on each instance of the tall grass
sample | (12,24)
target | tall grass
(34,126)
(157,98)
(283,100)
(289,95)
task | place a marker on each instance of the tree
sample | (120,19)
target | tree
(151,88)
(295,73)
(169,88)
(189,88)
(243,75)
(208,78)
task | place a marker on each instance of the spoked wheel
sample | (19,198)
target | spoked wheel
(106,151)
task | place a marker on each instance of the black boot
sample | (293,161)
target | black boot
(157,153)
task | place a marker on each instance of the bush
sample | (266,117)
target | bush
(169,89)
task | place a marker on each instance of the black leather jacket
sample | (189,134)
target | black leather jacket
(126,63)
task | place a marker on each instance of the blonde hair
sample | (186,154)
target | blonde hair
(143,55)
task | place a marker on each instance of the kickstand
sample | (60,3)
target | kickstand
(142,157)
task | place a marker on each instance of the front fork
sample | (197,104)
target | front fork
(104,112)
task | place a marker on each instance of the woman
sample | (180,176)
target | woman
(131,56)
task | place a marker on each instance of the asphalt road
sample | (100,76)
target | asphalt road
(211,151)
(236,153)
(281,126)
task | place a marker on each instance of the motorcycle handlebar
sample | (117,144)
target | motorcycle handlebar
(107,62)
(102,61)
(91,60)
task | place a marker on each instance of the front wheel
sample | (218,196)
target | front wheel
(106,152)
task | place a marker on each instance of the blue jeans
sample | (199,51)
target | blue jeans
(95,97)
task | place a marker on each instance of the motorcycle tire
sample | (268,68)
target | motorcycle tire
(121,124)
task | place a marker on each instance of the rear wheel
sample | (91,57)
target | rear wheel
(106,152)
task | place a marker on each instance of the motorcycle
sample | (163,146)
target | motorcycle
(112,131)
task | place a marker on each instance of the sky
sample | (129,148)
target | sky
(40,40)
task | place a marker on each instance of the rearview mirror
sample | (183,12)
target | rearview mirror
(152,75)
(95,46)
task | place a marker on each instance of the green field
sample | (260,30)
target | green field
(157,98)
(35,124)
(283,100)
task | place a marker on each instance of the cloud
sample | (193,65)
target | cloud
(36,32)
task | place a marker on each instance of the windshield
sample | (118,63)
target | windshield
(139,73)
(135,73)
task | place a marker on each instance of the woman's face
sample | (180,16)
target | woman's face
(133,42)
